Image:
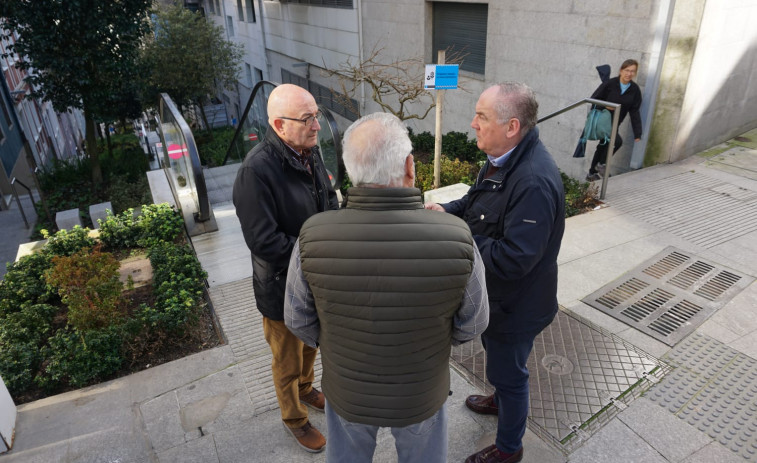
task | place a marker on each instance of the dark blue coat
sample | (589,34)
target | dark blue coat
(517,217)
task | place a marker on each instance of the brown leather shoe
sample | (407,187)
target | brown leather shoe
(482,404)
(314,399)
(308,437)
(492,454)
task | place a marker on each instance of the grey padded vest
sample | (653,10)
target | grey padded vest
(387,277)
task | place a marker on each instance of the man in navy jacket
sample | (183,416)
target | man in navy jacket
(516,212)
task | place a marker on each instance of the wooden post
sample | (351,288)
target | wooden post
(438,134)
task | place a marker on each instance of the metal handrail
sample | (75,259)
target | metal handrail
(18,201)
(194,158)
(328,118)
(611,148)
(244,116)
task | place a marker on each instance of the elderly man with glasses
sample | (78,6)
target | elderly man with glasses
(281,183)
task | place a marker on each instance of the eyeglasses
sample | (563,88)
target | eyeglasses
(309,120)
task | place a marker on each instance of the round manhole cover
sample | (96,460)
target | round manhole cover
(557,364)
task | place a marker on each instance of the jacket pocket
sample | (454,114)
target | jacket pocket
(482,220)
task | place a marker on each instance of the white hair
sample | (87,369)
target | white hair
(375,148)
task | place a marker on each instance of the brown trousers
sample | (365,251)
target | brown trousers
(292,370)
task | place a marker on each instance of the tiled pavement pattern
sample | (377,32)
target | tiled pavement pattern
(242,323)
(714,389)
(581,377)
(721,212)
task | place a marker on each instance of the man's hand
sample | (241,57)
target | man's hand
(433,207)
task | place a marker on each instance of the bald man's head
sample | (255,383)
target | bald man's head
(288,106)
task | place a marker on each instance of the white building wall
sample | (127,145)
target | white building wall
(721,95)
(552,45)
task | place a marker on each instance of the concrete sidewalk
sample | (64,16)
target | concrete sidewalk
(219,405)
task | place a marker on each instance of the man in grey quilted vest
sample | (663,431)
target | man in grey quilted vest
(384,288)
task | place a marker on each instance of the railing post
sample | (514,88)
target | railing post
(18,201)
(610,151)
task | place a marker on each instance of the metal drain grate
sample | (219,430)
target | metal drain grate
(714,389)
(581,377)
(669,295)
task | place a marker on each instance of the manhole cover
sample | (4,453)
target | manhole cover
(669,295)
(581,377)
(557,364)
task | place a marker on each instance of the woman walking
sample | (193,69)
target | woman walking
(623,90)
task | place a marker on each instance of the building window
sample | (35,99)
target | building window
(336,102)
(8,120)
(240,10)
(258,75)
(218,7)
(250,11)
(326,3)
(461,27)
(212,6)
(230,25)
(248,72)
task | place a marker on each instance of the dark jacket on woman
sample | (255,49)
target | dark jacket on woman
(517,217)
(274,194)
(630,101)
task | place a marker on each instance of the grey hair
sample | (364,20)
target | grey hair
(378,156)
(517,100)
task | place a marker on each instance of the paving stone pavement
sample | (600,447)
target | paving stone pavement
(216,406)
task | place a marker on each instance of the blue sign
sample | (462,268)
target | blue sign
(441,76)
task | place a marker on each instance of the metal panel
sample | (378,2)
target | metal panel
(580,378)
(461,27)
(669,295)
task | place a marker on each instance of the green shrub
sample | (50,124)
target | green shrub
(455,145)
(77,358)
(88,284)
(121,230)
(159,222)
(24,283)
(22,334)
(579,196)
(452,172)
(68,242)
(177,286)
(212,151)
(423,142)
(123,194)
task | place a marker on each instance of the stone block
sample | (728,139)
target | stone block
(99,212)
(446,194)
(66,220)
(7,418)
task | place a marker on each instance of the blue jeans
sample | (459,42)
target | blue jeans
(506,370)
(355,443)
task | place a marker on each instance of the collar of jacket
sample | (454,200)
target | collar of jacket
(514,159)
(380,199)
(285,152)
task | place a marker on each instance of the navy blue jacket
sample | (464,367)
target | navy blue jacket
(274,195)
(517,217)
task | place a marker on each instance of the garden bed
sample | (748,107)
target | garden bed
(69,318)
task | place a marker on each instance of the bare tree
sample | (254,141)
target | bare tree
(396,85)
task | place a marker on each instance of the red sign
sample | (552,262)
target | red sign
(252,137)
(175,151)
